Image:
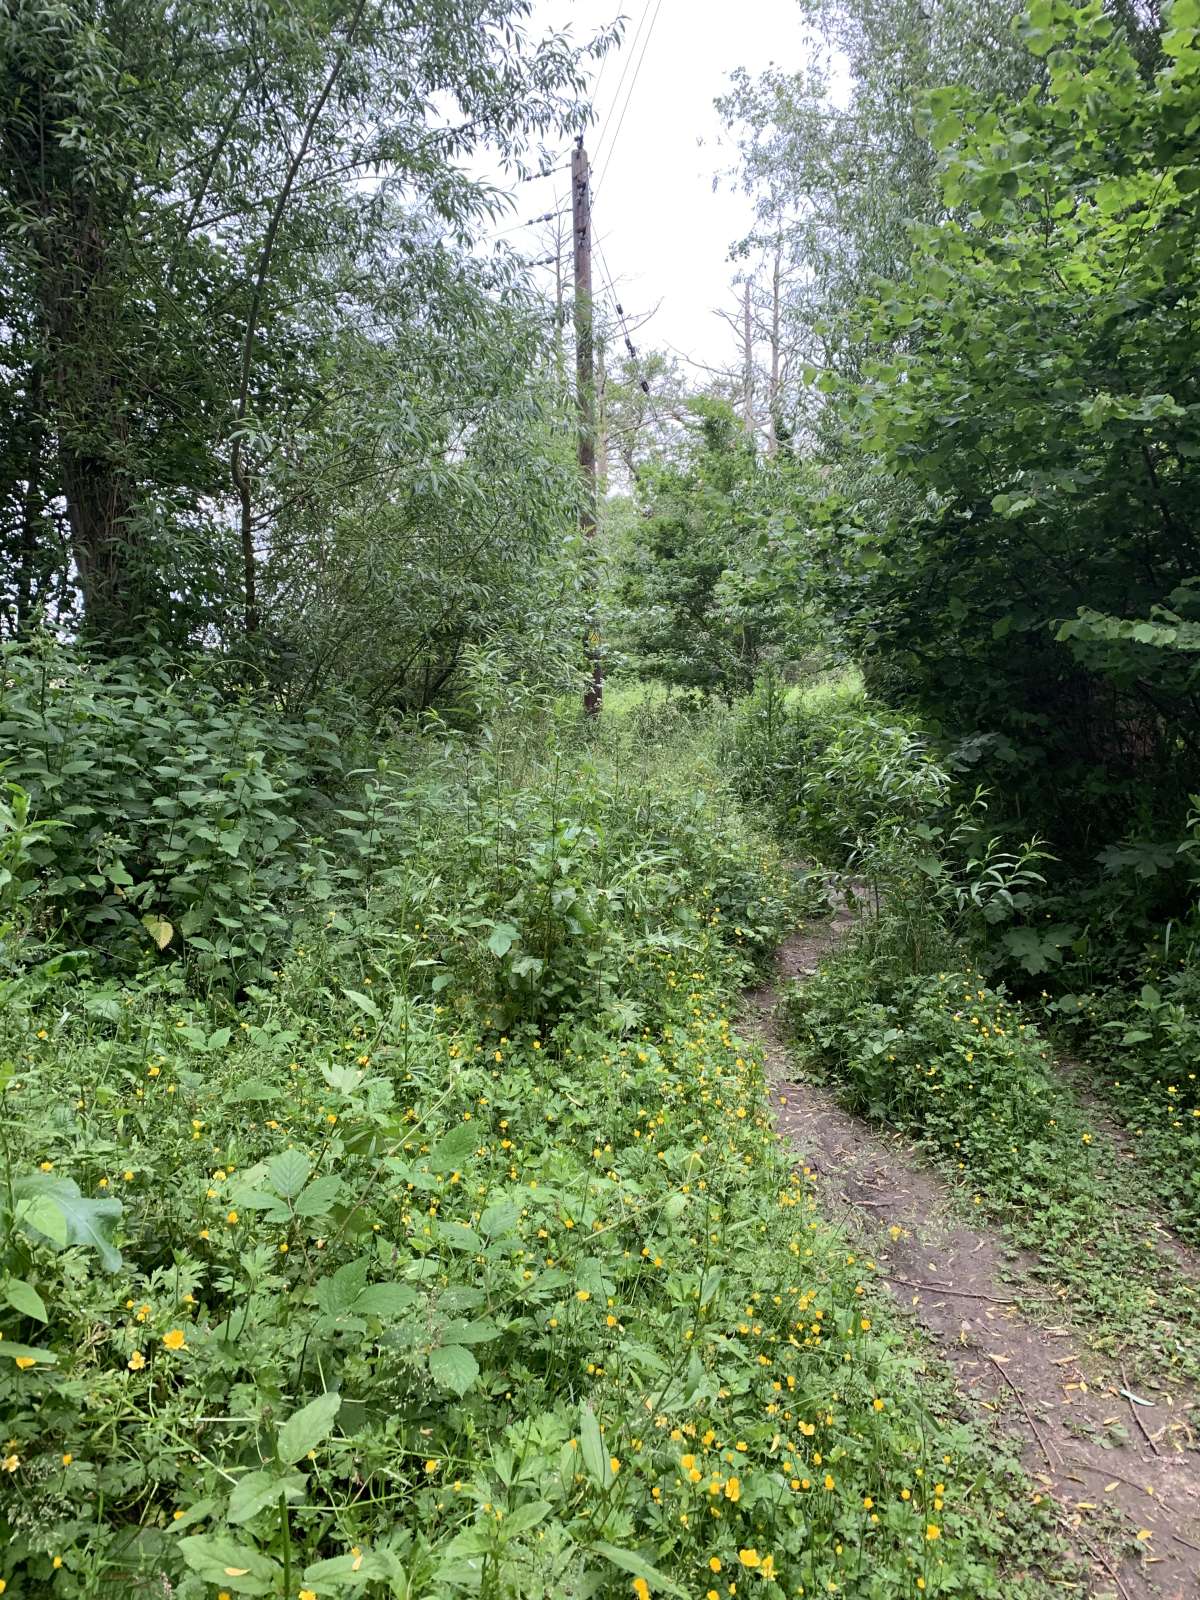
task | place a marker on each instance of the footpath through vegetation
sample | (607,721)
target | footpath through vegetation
(414,1184)
(418,1224)
(415,1225)
(1010,1212)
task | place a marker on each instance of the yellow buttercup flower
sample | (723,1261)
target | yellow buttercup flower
(175,1340)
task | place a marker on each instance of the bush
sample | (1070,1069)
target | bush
(859,789)
(182,811)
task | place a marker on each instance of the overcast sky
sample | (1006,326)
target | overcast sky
(664,234)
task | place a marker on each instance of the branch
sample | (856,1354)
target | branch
(241,479)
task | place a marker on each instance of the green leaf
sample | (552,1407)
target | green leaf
(257,1490)
(289,1172)
(84,1222)
(26,1352)
(454,1149)
(40,1215)
(23,1297)
(503,937)
(198,1511)
(364,1003)
(500,1217)
(355,1572)
(320,1197)
(237,1567)
(159,929)
(630,1561)
(453,1367)
(254,1089)
(384,1300)
(525,1517)
(482,1331)
(591,1447)
(305,1430)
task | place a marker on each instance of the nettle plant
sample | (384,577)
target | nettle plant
(862,791)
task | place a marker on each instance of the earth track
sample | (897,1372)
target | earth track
(1122,1466)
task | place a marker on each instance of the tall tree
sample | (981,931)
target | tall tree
(190,198)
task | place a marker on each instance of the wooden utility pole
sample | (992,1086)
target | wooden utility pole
(585,397)
(747,361)
(773,394)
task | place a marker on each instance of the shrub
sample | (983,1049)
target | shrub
(184,811)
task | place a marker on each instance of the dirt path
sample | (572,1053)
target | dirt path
(1124,1470)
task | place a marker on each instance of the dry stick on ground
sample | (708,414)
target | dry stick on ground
(1098,1555)
(1021,1402)
(962,1294)
(1107,1472)
(1136,1418)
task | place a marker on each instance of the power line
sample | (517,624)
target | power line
(629,96)
(628,58)
(643,383)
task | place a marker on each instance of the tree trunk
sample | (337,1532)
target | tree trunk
(98,504)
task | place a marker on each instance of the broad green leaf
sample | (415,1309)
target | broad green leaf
(364,1003)
(254,1089)
(526,1517)
(591,1447)
(198,1511)
(26,1352)
(454,1149)
(321,1195)
(500,1217)
(453,1367)
(23,1297)
(385,1300)
(502,939)
(630,1561)
(236,1567)
(41,1215)
(159,929)
(289,1172)
(84,1222)
(481,1331)
(305,1430)
(258,1490)
(349,1571)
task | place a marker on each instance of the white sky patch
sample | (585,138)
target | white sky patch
(664,234)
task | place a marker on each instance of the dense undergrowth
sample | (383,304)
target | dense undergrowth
(442,1247)
(914,1019)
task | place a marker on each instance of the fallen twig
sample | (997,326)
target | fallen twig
(1136,1418)
(944,1288)
(1105,1472)
(1021,1402)
(1098,1555)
